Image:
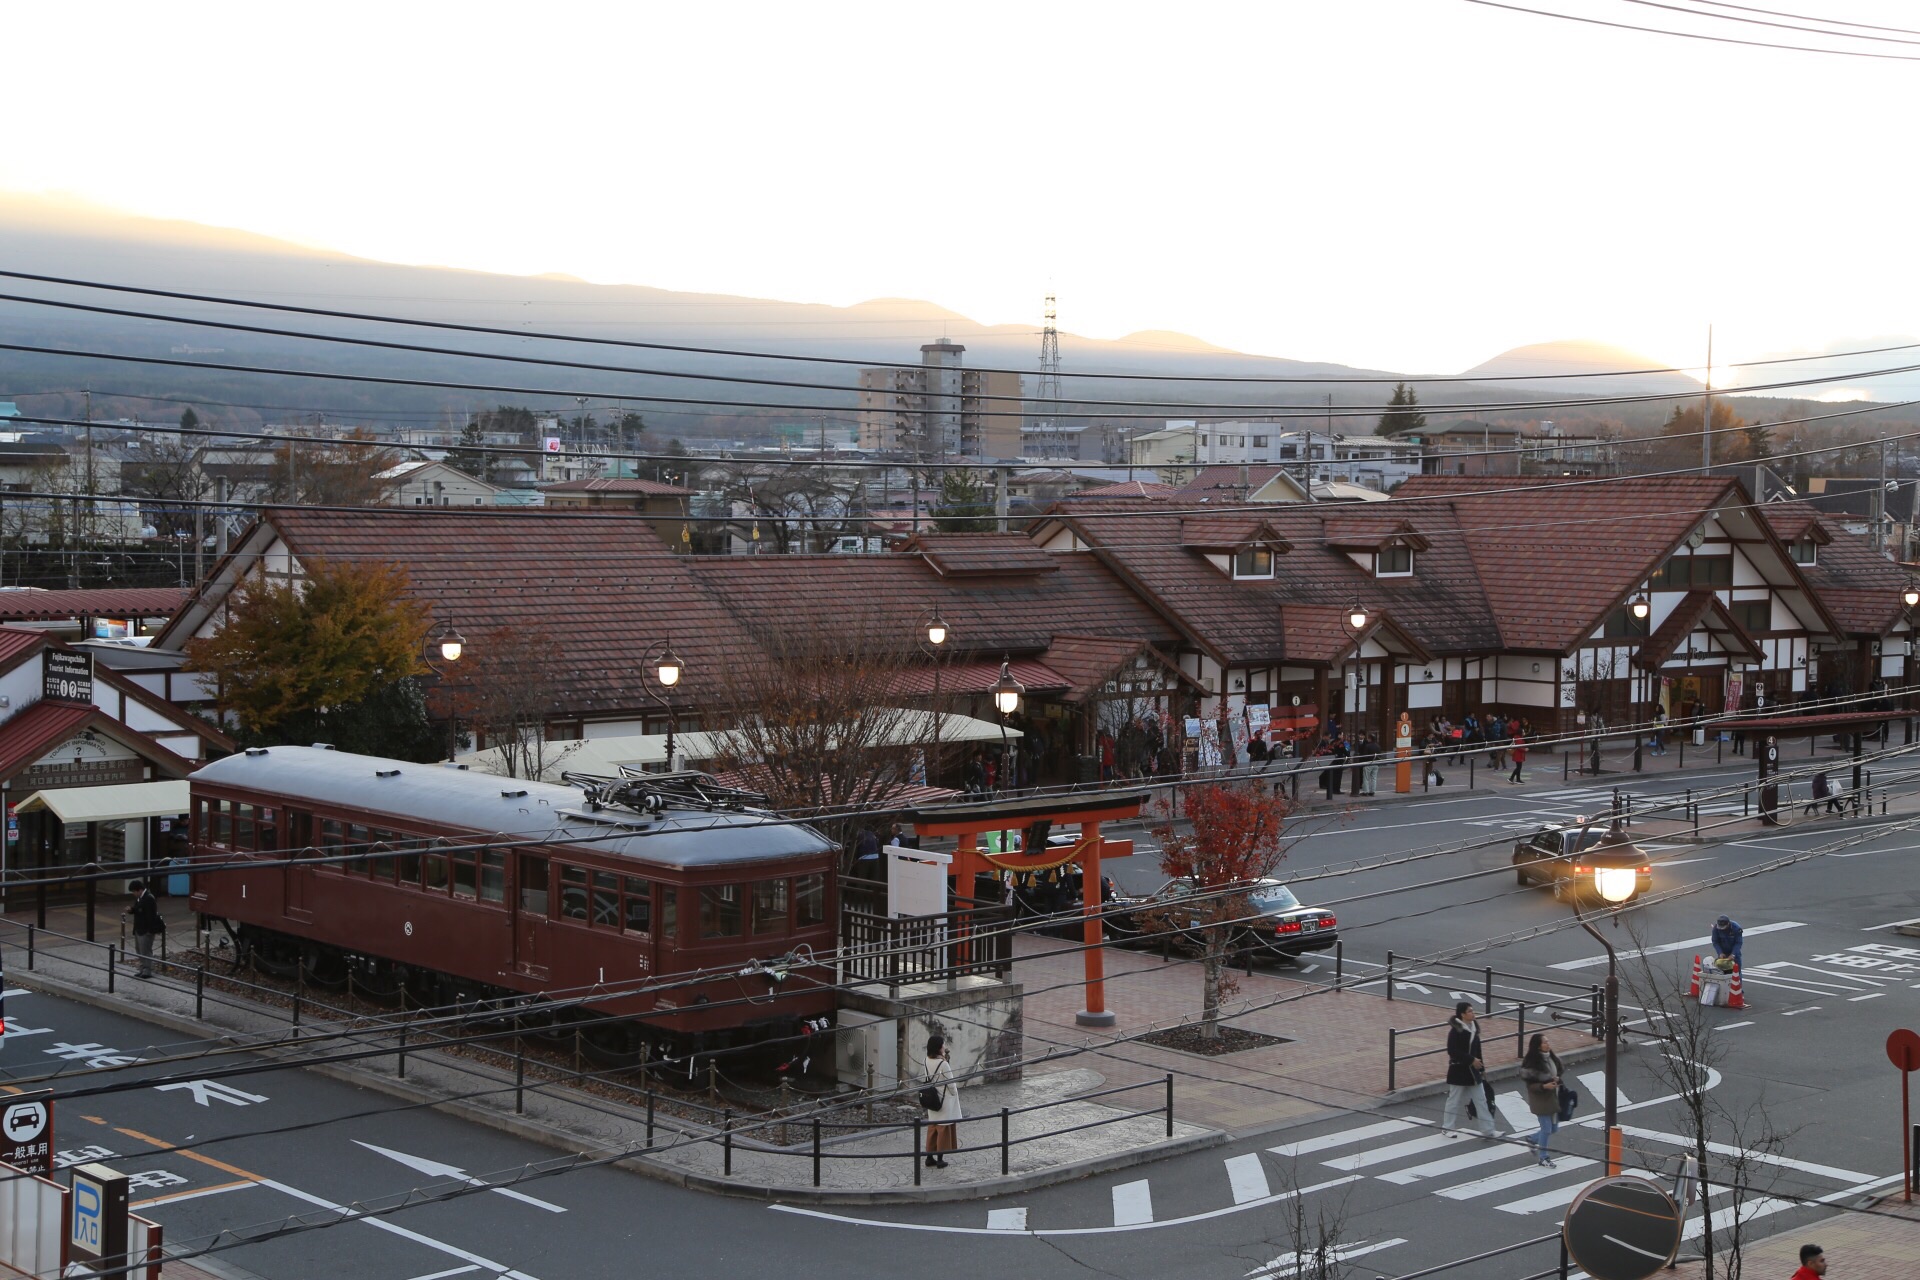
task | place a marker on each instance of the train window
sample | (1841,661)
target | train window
(639,917)
(769,906)
(809,901)
(381,868)
(243,826)
(573,893)
(606,900)
(434,865)
(410,867)
(463,877)
(223,822)
(204,829)
(358,838)
(533,881)
(268,834)
(669,912)
(720,911)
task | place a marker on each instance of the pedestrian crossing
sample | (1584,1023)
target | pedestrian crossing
(1594,802)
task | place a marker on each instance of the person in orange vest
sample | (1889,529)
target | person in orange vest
(1519,757)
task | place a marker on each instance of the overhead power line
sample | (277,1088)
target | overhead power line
(1832,22)
(1696,35)
(1763,22)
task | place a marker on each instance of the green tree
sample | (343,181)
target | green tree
(189,420)
(332,658)
(964,505)
(1403,414)
(471,456)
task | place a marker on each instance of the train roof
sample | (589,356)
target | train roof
(487,804)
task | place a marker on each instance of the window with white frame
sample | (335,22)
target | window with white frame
(1395,561)
(1254,561)
(1805,551)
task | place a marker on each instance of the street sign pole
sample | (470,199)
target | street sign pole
(1903,1049)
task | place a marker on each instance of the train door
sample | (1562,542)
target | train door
(530,916)
(299,838)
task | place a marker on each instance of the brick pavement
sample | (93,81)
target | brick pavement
(1337,1055)
(1881,1245)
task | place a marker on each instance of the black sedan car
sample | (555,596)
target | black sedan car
(1276,923)
(1552,856)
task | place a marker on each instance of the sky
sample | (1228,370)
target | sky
(1404,184)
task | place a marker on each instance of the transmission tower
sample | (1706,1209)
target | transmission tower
(1049,392)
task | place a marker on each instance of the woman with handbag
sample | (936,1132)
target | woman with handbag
(1540,1069)
(940,1096)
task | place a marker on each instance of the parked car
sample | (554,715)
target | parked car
(1278,923)
(1551,856)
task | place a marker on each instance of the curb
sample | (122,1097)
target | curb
(563,1140)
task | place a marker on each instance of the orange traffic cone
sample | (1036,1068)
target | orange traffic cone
(1735,1000)
(1693,991)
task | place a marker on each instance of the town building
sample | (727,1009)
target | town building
(1373,462)
(424,483)
(940,408)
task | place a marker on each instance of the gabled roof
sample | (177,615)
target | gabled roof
(1227,532)
(976,554)
(1215,483)
(1126,489)
(1860,586)
(652,488)
(1697,610)
(1088,662)
(1370,533)
(32,733)
(1317,633)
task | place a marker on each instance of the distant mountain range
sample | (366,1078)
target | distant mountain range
(56,238)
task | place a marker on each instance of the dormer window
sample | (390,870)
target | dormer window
(1393,562)
(1804,551)
(1253,562)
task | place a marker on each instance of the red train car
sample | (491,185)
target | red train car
(660,902)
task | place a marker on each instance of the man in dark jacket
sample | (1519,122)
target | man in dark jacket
(1728,939)
(147,925)
(1464,1067)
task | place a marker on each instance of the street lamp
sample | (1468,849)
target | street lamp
(1640,608)
(665,666)
(937,634)
(1355,624)
(1616,866)
(449,644)
(1007,693)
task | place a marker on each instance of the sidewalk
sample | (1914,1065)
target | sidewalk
(1881,1245)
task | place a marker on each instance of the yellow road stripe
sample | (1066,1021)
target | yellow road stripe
(194,1191)
(168,1147)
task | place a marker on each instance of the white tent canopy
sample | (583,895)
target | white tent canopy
(605,755)
(122,803)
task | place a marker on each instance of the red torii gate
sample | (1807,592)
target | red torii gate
(1035,816)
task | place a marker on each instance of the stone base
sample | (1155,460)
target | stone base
(1086,1018)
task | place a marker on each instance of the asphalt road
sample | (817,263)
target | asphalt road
(1828,979)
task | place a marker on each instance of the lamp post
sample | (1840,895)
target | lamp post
(1615,867)
(937,633)
(449,644)
(1911,599)
(1639,609)
(666,669)
(1007,693)
(1354,623)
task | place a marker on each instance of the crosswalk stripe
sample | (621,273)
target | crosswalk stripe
(1132,1203)
(1381,1155)
(1596,1082)
(1343,1138)
(1007,1219)
(1514,1108)
(1248,1176)
(1454,1164)
(1511,1178)
(1546,1200)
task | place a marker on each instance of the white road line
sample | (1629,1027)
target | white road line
(1875,995)
(1286,1262)
(178,1196)
(1249,1178)
(1872,928)
(1384,1155)
(1345,1137)
(1596,1082)
(1760,1208)
(1591,961)
(1454,1164)
(1685,1142)
(1511,1178)
(1132,1203)
(382,1224)
(1546,1200)
(1788,1013)
(1514,1109)
(1731,1025)
(938,1229)
(1006,1219)
(443,1275)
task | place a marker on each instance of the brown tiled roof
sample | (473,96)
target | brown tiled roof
(978,676)
(17,642)
(601,583)
(1370,533)
(652,488)
(1223,532)
(1695,609)
(989,615)
(1214,481)
(1554,558)
(1088,662)
(971,554)
(1126,489)
(1317,633)
(1440,608)
(1860,586)
(116,602)
(30,734)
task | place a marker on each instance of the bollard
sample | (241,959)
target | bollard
(649,1117)
(1393,1053)
(916,1150)
(1696,813)
(1339,963)
(816,1151)
(1489,1005)
(200,991)
(1520,1016)
(402,1062)
(93,890)
(1169,1104)
(1389,975)
(726,1142)
(113,954)
(1746,801)
(1003,1142)
(520,1089)
(30,932)
(1565,758)
(1469,773)
(296,1000)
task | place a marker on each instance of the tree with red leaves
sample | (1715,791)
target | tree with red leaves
(1234,841)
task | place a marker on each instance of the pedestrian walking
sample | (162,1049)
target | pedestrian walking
(1813,1263)
(942,1119)
(1519,757)
(147,925)
(1465,1071)
(1541,1071)
(1372,772)
(1657,741)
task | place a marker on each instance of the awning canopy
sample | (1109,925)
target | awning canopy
(121,803)
(606,755)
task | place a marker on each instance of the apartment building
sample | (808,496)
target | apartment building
(940,408)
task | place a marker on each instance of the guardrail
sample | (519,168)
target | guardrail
(971,940)
(1592,1003)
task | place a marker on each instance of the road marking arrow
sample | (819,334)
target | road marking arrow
(434,1169)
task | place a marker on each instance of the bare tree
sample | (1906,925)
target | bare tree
(509,693)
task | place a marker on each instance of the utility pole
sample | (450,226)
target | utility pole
(1706,412)
(88,525)
(221,544)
